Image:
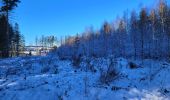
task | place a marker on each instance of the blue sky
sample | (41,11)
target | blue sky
(68,17)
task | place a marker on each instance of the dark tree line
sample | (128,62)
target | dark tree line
(141,35)
(11,40)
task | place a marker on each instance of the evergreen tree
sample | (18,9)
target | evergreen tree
(8,5)
(3,35)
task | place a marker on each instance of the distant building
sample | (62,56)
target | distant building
(37,50)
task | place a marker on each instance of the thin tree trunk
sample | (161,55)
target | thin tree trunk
(142,45)
(7,33)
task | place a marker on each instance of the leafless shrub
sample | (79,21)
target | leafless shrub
(76,61)
(90,66)
(111,73)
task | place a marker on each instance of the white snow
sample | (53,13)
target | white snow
(48,78)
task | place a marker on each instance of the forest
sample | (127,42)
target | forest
(144,35)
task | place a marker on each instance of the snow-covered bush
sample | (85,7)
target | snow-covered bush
(45,69)
(54,69)
(48,65)
(13,71)
(89,66)
(110,74)
(76,61)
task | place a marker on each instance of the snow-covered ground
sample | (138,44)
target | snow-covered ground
(48,78)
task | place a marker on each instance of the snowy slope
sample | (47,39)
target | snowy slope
(48,78)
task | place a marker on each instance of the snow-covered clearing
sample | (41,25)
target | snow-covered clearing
(48,78)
